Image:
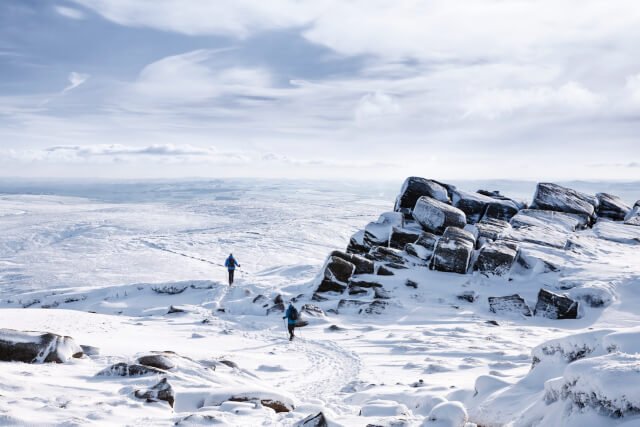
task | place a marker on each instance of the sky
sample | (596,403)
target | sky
(360,89)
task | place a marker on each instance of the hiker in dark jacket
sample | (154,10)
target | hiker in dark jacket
(231,265)
(292,317)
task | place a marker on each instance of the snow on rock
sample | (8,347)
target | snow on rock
(490,229)
(539,259)
(608,384)
(617,232)
(560,221)
(415,187)
(314,420)
(447,414)
(122,369)
(453,251)
(383,408)
(356,243)
(555,306)
(472,204)
(37,347)
(496,258)
(336,274)
(363,265)
(543,236)
(423,247)
(400,237)
(570,348)
(435,216)
(633,217)
(513,304)
(555,197)
(613,207)
(161,391)
(384,254)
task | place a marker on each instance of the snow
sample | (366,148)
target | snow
(109,266)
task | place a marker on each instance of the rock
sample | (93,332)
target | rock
(555,197)
(495,194)
(490,229)
(384,271)
(36,347)
(319,298)
(554,306)
(472,204)
(161,391)
(335,328)
(260,299)
(312,310)
(275,308)
(128,370)
(560,221)
(495,258)
(396,266)
(350,303)
(492,323)
(378,233)
(376,307)
(423,247)
(380,293)
(356,290)
(278,299)
(470,296)
(411,284)
(449,414)
(453,251)
(175,309)
(413,188)
(276,405)
(230,363)
(317,420)
(363,265)
(613,207)
(541,236)
(510,304)
(159,361)
(380,253)
(170,289)
(90,350)
(356,244)
(533,257)
(328,286)
(364,283)
(435,216)
(633,217)
(400,237)
(338,269)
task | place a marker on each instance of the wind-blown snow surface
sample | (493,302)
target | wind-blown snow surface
(104,264)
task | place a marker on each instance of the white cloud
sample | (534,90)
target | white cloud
(633,86)
(69,12)
(375,105)
(75,80)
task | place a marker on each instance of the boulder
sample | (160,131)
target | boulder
(411,284)
(509,304)
(36,347)
(560,221)
(613,207)
(361,283)
(128,370)
(350,303)
(317,420)
(541,236)
(501,209)
(380,293)
(261,299)
(338,269)
(276,308)
(413,188)
(384,254)
(435,216)
(495,258)
(537,258)
(400,237)
(312,310)
(495,194)
(161,391)
(90,350)
(160,361)
(376,307)
(555,197)
(633,217)
(423,247)
(490,229)
(554,306)
(278,299)
(384,271)
(363,265)
(377,233)
(472,204)
(356,290)
(453,251)
(356,243)
(470,296)
(319,298)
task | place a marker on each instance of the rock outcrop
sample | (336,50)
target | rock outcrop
(37,347)
(414,188)
(400,237)
(496,258)
(161,391)
(453,251)
(514,304)
(123,369)
(435,216)
(336,275)
(613,207)
(363,265)
(555,197)
(555,306)
(633,217)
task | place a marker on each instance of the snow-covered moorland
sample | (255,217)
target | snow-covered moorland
(408,320)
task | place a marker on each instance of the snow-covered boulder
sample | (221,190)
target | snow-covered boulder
(423,247)
(160,360)
(539,259)
(415,187)
(363,265)
(501,209)
(36,347)
(495,258)
(472,204)
(356,243)
(570,348)
(633,217)
(447,414)
(513,304)
(400,237)
(555,197)
(375,307)
(541,236)
(617,232)
(608,384)
(560,221)
(613,207)
(314,420)
(453,251)
(161,391)
(383,408)
(378,233)
(336,275)
(435,216)
(555,306)
(490,229)
(384,254)
(122,369)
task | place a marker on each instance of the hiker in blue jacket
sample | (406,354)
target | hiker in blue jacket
(292,316)
(231,265)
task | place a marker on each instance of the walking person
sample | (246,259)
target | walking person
(292,317)
(231,265)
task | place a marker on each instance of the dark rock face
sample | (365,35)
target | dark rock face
(317,420)
(229,363)
(90,350)
(312,310)
(376,307)
(260,299)
(509,304)
(36,347)
(128,370)
(490,229)
(278,299)
(472,204)
(347,303)
(453,251)
(363,265)
(435,216)
(555,197)
(554,306)
(356,290)
(423,247)
(276,308)
(414,188)
(470,296)
(159,361)
(411,284)
(427,240)
(339,269)
(380,293)
(364,283)
(318,298)
(501,209)
(328,286)
(400,237)
(384,271)
(377,233)
(161,391)
(495,258)
(175,309)
(380,253)
(356,244)
(611,206)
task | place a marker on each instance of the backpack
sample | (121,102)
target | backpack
(293,313)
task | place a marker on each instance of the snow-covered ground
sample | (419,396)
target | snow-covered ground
(104,264)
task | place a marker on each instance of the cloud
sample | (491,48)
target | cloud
(69,12)
(375,105)
(76,79)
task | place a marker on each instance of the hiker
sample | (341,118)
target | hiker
(292,316)
(231,265)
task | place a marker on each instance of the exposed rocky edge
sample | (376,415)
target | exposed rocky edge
(415,187)
(384,271)
(312,310)
(276,405)
(36,347)
(509,304)
(469,296)
(314,420)
(633,217)
(383,254)
(490,229)
(400,237)
(453,251)
(336,275)
(477,206)
(160,360)
(123,369)
(161,391)
(536,258)
(495,258)
(363,265)
(435,216)
(377,233)
(555,197)
(261,299)
(90,350)
(617,232)
(362,283)
(605,383)
(423,247)
(542,236)
(560,221)
(356,243)
(613,207)
(554,306)
(375,307)
(570,348)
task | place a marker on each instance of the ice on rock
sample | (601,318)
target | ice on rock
(415,187)
(495,258)
(435,216)
(453,251)
(555,197)
(401,237)
(560,221)
(612,207)
(555,306)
